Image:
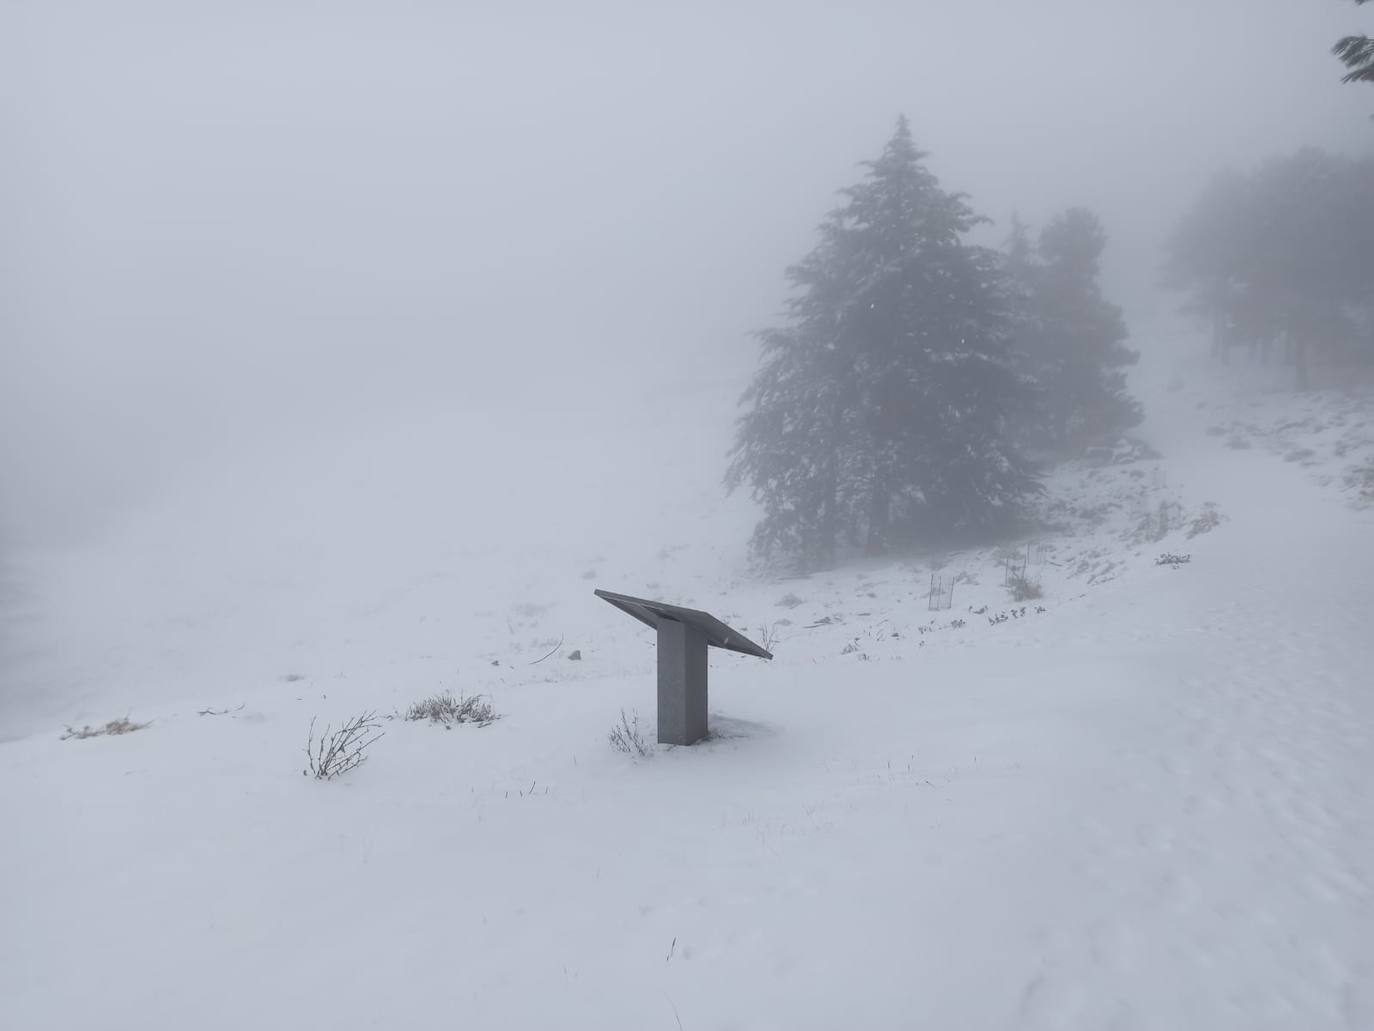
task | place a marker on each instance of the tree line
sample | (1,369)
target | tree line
(917,375)
(919,380)
(1279,261)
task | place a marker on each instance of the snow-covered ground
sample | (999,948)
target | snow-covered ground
(1140,801)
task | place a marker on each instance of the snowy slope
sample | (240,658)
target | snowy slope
(1145,807)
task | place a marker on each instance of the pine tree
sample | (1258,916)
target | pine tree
(879,414)
(793,443)
(1207,255)
(1022,270)
(1077,352)
(1357,54)
(1020,256)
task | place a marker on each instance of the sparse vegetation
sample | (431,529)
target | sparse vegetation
(338,751)
(231,713)
(1361,480)
(447,709)
(1208,520)
(1023,589)
(1010,614)
(1170,559)
(790,601)
(626,737)
(113,728)
(768,636)
(1162,523)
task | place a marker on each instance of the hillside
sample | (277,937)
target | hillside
(1138,801)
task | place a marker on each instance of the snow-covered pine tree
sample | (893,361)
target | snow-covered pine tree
(796,444)
(1077,350)
(879,415)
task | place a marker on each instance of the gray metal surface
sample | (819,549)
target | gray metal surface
(681,683)
(683,637)
(717,634)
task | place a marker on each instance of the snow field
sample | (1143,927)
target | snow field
(1145,807)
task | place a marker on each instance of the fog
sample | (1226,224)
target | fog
(346,348)
(237,226)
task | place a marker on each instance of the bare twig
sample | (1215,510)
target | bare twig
(768,637)
(676,1016)
(541,658)
(626,737)
(220,712)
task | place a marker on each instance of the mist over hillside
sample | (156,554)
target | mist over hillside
(1002,380)
(227,228)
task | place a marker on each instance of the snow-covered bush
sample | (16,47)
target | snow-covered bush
(446,709)
(1022,589)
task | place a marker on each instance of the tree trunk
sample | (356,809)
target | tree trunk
(879,516)
(1301,380)
(822,549)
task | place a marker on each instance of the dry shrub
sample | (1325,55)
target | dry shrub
(120,726)
(446,709)
(1022,589)
(626,737)
(338,751)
